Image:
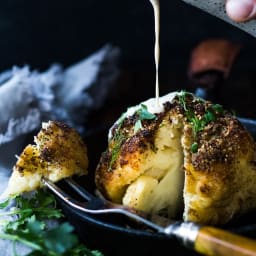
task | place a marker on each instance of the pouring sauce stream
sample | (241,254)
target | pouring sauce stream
(156,7)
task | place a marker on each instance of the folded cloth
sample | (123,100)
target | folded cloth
(29,97)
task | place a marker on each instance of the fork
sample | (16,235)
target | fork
(200,238)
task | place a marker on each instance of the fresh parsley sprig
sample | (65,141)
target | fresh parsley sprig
(120,136)
(143,114)
(30,226)
(118,139)
(198,123)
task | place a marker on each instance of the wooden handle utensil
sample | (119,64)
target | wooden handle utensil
(212,241)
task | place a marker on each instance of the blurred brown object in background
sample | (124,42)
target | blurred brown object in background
(210,64)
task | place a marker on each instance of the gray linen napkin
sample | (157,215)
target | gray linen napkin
(29,97)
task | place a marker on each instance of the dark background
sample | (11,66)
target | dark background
(41,32)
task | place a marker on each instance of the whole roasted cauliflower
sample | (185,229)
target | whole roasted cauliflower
(183,157)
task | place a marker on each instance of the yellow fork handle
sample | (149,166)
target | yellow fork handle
(213,241)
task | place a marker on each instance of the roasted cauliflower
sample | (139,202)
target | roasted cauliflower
(188,158)
(59,152)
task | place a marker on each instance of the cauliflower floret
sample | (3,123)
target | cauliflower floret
(59,152)
(160,188)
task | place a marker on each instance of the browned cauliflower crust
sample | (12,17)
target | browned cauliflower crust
(192,158)
(59,152)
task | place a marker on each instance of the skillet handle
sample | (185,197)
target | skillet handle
(214,241)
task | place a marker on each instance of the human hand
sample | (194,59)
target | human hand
(241,10)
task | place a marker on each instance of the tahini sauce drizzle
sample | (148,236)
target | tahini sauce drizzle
(156,7)
(154,105)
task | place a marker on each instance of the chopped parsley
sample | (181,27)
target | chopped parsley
(120,137)
(143,114)
(182,99)
(198,123)
(30,226)
(118,140)
(194,147)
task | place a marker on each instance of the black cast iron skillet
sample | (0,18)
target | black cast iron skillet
(117,236)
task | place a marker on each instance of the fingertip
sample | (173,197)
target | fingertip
(241,10)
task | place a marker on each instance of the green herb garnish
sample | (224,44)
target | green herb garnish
(30,227)
(5,203)
(118,139)
(138,126)
(194,147)
(143,114)
(182,99)
(198,123)
(217,108)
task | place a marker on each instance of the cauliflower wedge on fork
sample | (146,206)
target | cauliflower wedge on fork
(59,152)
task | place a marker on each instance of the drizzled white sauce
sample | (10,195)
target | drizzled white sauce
(154,105)
(151,107)
(156,7)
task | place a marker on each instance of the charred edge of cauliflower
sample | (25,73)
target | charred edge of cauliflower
(186,140)
(59,152)
(147,173)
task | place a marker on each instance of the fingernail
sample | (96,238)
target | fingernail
(240,10)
